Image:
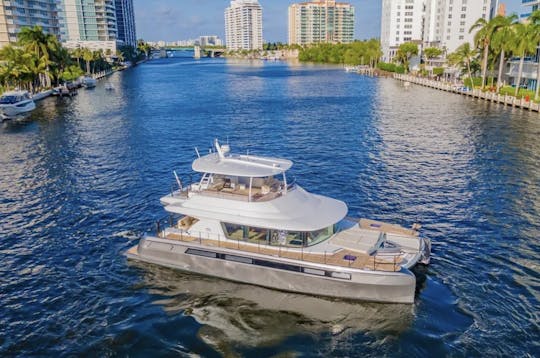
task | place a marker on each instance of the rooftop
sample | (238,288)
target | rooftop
(225,163)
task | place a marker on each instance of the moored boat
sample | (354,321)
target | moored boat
(245,221)
(89,82)
(15,103)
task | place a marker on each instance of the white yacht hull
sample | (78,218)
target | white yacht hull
(13,110)
(281,274)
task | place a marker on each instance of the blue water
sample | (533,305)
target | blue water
(81,180)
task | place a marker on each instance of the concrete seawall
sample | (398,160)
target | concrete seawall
(474,93)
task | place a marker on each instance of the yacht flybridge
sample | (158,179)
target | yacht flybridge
(244,221)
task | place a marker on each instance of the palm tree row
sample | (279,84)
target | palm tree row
(498,40)
(37,60)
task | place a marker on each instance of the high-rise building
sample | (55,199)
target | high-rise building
(15,15)
(99,24)
(401,21)
(91,24)
(211,40)
(440,23)
(125,22)
(321,21)
(243,25)
(450,21)
(529,7)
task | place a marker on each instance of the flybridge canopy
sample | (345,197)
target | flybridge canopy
(224,163)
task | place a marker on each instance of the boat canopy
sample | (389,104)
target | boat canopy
(299,210)
(221,162)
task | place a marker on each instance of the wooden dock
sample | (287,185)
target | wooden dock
(474,93)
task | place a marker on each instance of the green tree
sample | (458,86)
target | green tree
(405,52)
(463,56)
(431,53)
(535,23)
(87,56)
(525,43)
(502,42)
(482,38)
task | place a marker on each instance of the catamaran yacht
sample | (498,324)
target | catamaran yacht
(15,103)
(245,221)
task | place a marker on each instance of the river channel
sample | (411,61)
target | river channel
(81,179)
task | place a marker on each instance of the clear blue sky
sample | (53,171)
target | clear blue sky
(172,20)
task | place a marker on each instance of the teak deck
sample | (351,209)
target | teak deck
(361,261)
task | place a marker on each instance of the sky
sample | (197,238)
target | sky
(172,20)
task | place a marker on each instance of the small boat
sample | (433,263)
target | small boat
(243,220)
(15,103)
(89,82)
(109,87)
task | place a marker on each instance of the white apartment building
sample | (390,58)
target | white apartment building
(448,21)
(243,25)
(439,23)
(321,21)
(402,21)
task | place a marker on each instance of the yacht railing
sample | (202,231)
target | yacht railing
(165,228)
(193,187)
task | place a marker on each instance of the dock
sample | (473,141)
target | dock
(473,93)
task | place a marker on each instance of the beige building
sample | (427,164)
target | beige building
(15,15)
(243,25)
(321,21)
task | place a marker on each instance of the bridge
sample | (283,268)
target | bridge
(198,51)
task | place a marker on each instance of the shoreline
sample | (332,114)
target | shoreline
(474,93)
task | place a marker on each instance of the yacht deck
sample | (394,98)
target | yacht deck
(343,258)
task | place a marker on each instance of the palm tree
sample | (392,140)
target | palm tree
(464,56)
(87,56)
(524,44)
(405,52)
(535,23)
(32,39)
(482,39)
(77,54)
(502,42)
(97,56)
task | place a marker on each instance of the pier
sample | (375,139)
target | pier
(473,93)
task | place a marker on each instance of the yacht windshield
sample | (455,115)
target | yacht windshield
(8,99)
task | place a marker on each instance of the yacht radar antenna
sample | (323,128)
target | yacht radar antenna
(219,150)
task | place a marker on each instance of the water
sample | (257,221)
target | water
(81,179)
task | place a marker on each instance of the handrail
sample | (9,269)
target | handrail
(187,187)
(164,225)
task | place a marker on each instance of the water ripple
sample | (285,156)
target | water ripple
(81,180)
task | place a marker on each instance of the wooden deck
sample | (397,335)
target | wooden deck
(361,261)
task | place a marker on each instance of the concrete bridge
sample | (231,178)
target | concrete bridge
(199,51)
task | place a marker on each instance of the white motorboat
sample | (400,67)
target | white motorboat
(89,82)
(109,87)
(15,103)
(244,221)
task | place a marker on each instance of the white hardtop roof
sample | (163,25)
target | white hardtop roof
(298,210)
(224,163)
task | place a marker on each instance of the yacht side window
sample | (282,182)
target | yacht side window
(246,233)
